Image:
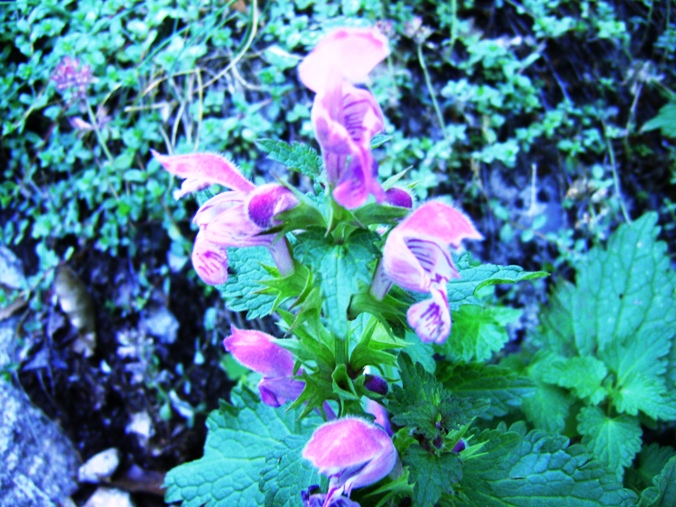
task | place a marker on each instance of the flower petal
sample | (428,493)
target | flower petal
(441,221)
(267,201)
(278,390)
(258,351)
(204,169)
(353,52)
(431,318)
(233,227)
(216,205)
(210,260)
(358,452)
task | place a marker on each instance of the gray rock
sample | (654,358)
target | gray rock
(38,463)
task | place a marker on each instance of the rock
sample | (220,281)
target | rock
(99,467)
(109,497)
(39,463)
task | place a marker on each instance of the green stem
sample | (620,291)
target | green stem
(95,124)
(430,89)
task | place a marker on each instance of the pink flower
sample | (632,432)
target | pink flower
(260,352)
(352,453)
(416,257)
(345,116)
(237,218)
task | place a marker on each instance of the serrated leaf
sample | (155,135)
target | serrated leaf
(239,440)
(502,387)
(478,332)
(242,291)
(647,394)
(622,310)
(535,469)
(584,375)
(472,278)
(433,475)
(663,493)
(613,440)
(423,404)
(647,465)
(286,473)
(296,156)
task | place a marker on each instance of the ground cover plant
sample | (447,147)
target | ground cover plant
(548,123)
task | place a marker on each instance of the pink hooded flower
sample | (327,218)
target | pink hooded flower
(345,116)
(416,257)
(352,453)
(237,218)
(260,352)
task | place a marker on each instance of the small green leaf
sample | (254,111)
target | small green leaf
(478,332)
(584,375)
(613,440)
(645,393)
(242,291)
(296,156)
(665,121)
(472,278)
(433,475)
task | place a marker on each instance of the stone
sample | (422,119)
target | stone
(39,463)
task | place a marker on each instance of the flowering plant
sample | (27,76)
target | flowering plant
(367,397)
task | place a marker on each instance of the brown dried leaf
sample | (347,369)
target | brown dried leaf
(78,305)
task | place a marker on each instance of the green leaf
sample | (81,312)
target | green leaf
(478,332)
(239,440)
(340,269)
(242,290)
(665,121)
(663,493)
(622,311)
(620,291)
(286,473)
(423,404)
(549,407)
(504,389)
(584,375)
(433,475)
(534,469)
(472,278)
(645,393)
(613,440)
(647,465)
(296,156)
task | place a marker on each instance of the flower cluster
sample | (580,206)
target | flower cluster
(349,450)
(69,74)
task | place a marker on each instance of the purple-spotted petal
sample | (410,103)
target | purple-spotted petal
(353,52)
(358,182)
(267,201)
(431,318)
(204,169)
(260,352)
(441,221)
(210,260)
